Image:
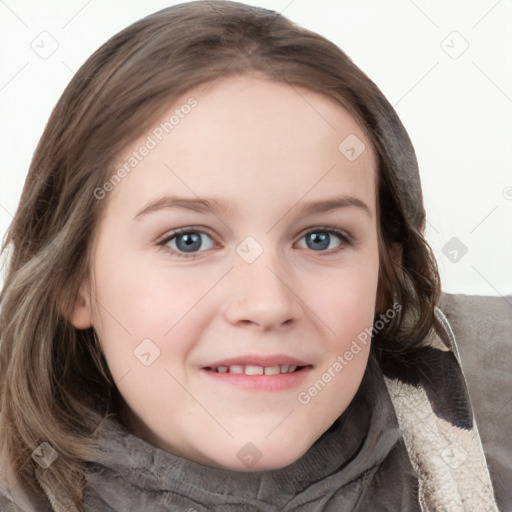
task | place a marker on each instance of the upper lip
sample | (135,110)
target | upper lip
(258,360)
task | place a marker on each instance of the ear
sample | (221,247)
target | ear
(81,313)
(380,303)
(395,257)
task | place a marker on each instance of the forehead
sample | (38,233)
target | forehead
(278,114)
(246,135)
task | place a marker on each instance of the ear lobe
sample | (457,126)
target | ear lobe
(380,302)
(396,254)
(81,314)
(395,258)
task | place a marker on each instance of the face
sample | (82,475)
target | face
(234,268)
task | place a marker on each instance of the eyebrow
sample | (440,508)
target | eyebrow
(211,205)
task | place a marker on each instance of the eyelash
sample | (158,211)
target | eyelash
(346,240)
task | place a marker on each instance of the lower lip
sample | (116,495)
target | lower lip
(279,382)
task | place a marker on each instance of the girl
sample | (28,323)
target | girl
(219,296)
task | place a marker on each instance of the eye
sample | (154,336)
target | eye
(187,241)
(325,239)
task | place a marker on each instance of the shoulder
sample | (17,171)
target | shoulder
(483,331)
(16,500)
(482,326)
(13,497)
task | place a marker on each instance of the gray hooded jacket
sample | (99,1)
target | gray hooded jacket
(402,444)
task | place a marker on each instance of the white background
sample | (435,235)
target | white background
(458,111)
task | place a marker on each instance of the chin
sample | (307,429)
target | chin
(265,454)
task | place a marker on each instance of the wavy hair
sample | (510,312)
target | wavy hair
(54,381)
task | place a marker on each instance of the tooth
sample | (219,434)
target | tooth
(236,368)
(222,369)
(284,368)
(292,369)
(272,370)
(254,370)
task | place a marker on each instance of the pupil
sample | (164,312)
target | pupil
(188,242)
(319,241)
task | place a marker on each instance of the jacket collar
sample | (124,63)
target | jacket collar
(129,470)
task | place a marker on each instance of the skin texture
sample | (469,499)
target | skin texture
(267,149)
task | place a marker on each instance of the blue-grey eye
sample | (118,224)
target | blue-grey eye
(191,241)
(322,240)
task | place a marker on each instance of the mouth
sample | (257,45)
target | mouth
(256,369)
(259,373)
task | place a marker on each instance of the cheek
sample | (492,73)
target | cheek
(346,307)
(346,300)
(135,301)
(144,295)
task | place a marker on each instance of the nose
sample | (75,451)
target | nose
(261,295)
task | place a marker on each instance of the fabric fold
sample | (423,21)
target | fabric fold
(132,474)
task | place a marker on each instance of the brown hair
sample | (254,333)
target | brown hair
(55,384)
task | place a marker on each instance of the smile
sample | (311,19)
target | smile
(256,370)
